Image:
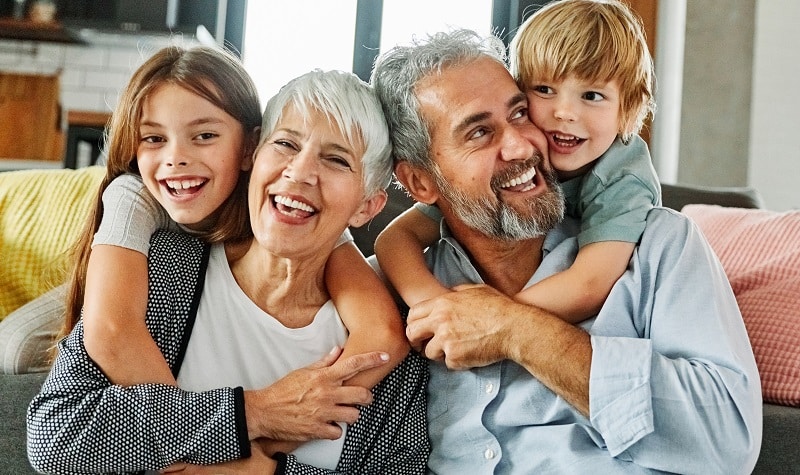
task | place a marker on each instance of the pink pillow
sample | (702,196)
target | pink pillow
(760,252)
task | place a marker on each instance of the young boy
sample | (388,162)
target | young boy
(588,75)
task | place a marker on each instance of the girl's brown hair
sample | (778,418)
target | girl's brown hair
(213,74)
(595,41)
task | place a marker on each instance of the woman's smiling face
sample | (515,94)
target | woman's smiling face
(307,184)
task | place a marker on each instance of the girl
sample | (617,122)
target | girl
(193,115)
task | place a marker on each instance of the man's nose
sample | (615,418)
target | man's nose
(517,143)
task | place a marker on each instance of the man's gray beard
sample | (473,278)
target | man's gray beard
(499,220)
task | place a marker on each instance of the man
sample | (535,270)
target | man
(662,379)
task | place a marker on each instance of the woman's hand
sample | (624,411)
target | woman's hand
(307,403)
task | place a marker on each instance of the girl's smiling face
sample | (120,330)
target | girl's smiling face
(190,153)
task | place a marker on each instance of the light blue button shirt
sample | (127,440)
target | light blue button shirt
(673,387)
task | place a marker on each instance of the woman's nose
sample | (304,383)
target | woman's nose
(302,168)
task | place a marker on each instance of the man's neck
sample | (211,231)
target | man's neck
(505,265)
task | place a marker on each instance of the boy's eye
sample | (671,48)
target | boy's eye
(593,96)
(542,89)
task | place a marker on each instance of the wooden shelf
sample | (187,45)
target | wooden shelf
(13,29)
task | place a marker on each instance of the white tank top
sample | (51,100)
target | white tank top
(235,343)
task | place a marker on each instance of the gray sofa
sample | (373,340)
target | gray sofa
(780,451)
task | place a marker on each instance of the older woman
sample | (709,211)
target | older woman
(248,326)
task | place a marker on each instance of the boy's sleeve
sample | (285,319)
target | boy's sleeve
(431,211)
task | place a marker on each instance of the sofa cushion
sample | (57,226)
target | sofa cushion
(760,254)
(41,214)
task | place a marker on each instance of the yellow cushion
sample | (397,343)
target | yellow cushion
(41,214)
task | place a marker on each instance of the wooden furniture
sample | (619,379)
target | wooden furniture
(30,115)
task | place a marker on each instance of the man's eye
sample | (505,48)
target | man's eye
(478,133)
(519,114)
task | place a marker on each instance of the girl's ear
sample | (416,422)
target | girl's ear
(418,182)
(371,207)
(250,146)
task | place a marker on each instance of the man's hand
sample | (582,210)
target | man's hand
(467,328)
(306,403)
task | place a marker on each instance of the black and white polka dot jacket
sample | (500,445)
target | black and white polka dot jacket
(81,423)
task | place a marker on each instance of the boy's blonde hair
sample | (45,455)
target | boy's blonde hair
(595,40)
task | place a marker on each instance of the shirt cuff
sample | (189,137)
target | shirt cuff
(620,400)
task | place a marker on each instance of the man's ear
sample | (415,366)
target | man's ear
(418,182)
(371,207)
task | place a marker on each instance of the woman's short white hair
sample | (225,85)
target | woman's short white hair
(352,105)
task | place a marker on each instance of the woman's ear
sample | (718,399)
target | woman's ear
(369,208)
(417,182)
(250,146)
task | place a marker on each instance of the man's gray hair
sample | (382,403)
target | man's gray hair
(397,72)
(348,102)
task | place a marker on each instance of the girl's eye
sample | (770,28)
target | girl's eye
(152,139)
(593,96)
(207,136)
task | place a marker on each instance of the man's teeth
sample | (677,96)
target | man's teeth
(293,204)
(184,184)
(524,178)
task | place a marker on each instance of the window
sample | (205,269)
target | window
(284,39)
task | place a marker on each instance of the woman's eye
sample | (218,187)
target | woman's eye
(339,161)
(283,144)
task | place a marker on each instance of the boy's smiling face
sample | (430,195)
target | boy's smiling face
(580,119)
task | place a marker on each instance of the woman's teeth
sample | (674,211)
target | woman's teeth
(294,204)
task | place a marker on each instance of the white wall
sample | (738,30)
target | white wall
(774,167)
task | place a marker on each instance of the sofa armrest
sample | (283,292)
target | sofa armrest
(678,196)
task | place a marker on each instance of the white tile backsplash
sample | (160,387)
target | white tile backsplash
(92,75)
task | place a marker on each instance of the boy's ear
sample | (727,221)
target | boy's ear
(418,182)
(371,207)
(250,146)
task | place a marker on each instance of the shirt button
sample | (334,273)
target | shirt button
(489,454)
(489,388)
